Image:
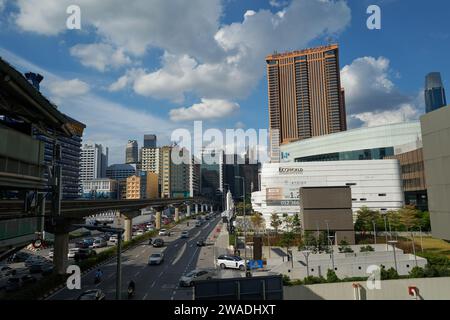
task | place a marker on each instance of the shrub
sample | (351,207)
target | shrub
(314,280)
(367,248)
(390,274)
(331,276)
(417,272)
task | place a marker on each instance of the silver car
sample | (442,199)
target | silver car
(156,258)
(188,279)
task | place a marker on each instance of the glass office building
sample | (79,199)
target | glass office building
(434,92)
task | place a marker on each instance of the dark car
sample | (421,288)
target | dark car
(82,245)
(47,269)
(201,243)
(94,294)
(26,279)
(38,267)
(7,270)
(13,284)
(158,243)
(83,254)
(19,257)
(150,241)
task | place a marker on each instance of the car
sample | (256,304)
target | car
(82,245)
(84,254)
(207,217)
(93,294)
(7,271)
(72,252)
(232,262)
(188,279)
(198,224)
(13,284)
(47,269)
(50,254)
(89,241)
(164,232)
(26,279)
(113,239)
(158,243)
(140,232)
(34,260)
(19,257)
(201,243)
(185,234)
(99,243)
(36,267)
(156,258)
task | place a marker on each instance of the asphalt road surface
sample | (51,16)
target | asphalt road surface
(156,282)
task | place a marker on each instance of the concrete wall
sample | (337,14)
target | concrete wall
(429,289)
(436,153)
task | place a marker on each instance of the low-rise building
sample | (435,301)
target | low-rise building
(100,189)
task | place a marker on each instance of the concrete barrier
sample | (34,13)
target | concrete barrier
(403,289)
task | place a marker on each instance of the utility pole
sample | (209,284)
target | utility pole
(245,226)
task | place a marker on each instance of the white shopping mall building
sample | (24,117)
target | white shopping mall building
(375,184)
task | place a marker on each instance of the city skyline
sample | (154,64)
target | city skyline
(381,83)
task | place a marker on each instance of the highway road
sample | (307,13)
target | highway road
(156,282)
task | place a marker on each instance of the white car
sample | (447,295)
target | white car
(99,243)
(139,232)
(185,234)
(156,258)
(164,232)
(113,239)
(232,262)
(72,252)
(188,279)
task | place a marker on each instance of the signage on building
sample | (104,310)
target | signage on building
(283,203)
(284,170)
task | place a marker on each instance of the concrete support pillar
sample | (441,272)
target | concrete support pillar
(158,220)
(188,210)
(177,214)
(128,226)
(196,208)
(61,250)
(212,209)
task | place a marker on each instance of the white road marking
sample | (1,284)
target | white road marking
(145,296)
(137,273)
(180,254)
(153,284)
(175,245)
(161,274)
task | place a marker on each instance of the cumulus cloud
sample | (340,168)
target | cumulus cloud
(372,98)
(68,88)
(205,110)
(100,56)
(176,25)
(245,45)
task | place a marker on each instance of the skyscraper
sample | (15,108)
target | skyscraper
(132,152)
(305,94)
(94,161)
(150,159)
(434,92)
(149,141)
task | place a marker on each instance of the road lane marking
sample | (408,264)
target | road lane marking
(162,272)
(137,273)
(153,284)
(145,296)
(175,245)
(180,254)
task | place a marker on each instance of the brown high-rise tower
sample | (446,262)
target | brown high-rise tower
(305,94)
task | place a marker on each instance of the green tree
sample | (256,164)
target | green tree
(287,239)
(365,218)
(275,222)
(332,277)
(417,272)
(409,217)
(257,221)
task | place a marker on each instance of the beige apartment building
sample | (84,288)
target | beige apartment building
(305,94)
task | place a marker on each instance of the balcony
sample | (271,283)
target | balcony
(21,161)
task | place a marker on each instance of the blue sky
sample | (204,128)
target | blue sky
(144,66)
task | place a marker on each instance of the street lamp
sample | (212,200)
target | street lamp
(331,253)
(374,232)
(306,253)
(393,243)
(245,223)
(119,232)
(385,228)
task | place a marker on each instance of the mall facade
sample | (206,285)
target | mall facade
(365,159)
(375,184)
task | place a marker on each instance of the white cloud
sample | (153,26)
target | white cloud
(404,112)
(205,110)
(67,88)
(126,79)
(176,25)
(100,56)
(372,97)
(245,45)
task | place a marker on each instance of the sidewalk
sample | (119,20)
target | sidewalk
(216,244)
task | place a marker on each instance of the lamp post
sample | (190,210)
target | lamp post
(393,243)
(245,223)
(331,253)
(421,240)
(374,232)
(385,229)
(306,253)
(414,247)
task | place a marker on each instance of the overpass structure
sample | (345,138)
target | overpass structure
(75,211)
